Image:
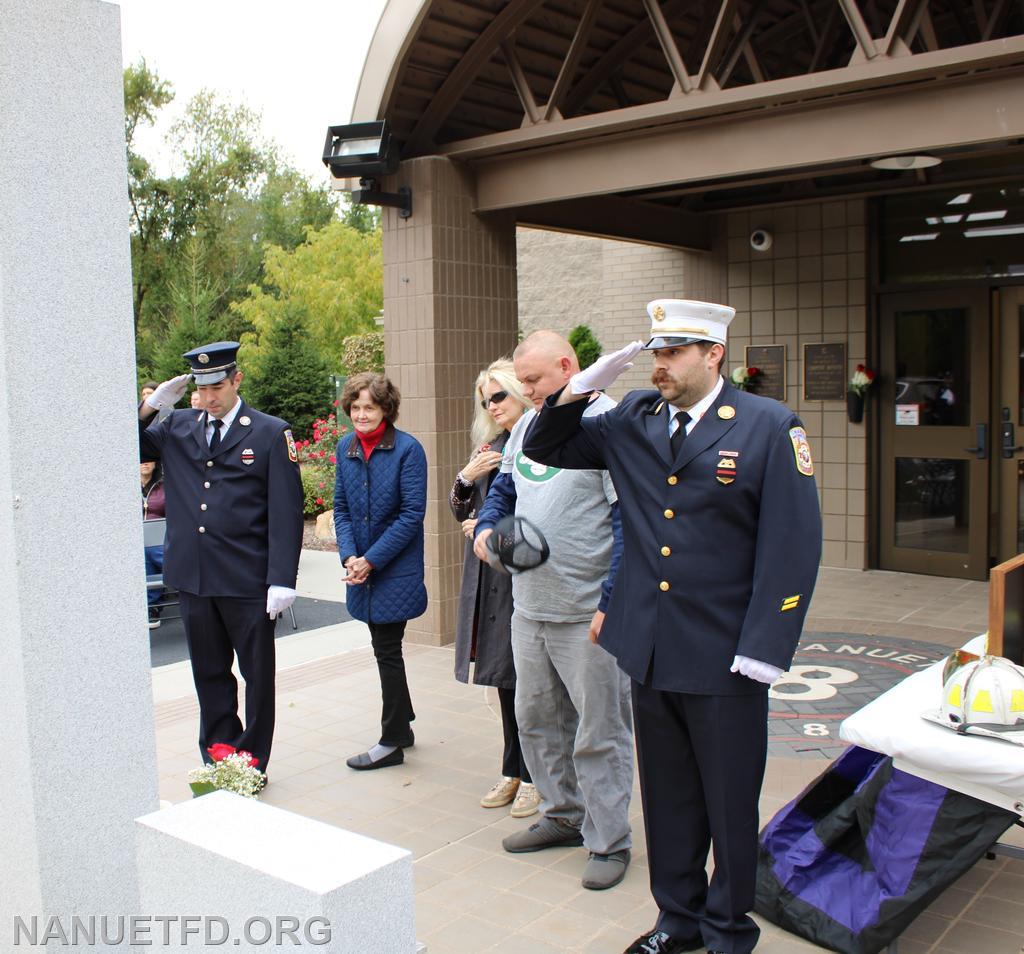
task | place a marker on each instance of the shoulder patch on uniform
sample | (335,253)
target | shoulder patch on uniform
(293,454)
(802,451)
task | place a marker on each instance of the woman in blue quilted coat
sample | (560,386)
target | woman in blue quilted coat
(380,497)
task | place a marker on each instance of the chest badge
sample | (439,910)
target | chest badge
(244,421)
(248,456)
(725,473)
(727,412)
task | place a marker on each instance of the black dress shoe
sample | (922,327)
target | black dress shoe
(363,763)
(658,942)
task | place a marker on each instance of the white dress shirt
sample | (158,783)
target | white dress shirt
(698,410)
(226,421)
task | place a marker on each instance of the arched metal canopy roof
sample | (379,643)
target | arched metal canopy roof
(495,81)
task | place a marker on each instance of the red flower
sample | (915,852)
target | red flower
(336,402)
(870,374)
(333,459)
(753,372)
(319,501)
(861,367)
(220,751)
(322,486)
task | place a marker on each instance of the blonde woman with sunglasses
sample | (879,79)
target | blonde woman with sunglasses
(483,634)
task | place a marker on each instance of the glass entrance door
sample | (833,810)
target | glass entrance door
(935,436)
(1007,453)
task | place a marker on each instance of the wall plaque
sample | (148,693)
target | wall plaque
(770,360)
(825,371)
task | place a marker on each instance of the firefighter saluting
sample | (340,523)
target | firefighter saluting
(722,539)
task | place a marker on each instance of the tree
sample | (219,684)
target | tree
(228,196)
(586,346)
(334,281)
(291,380)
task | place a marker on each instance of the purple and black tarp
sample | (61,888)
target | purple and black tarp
(864,849)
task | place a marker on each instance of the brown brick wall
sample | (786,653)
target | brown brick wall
(449,310)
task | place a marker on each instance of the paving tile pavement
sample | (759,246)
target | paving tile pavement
(473,897)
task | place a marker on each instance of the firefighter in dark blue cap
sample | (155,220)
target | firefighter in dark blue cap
(722,538)
(234,533)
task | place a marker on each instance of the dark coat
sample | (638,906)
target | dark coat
(492,615)
(721,544)
(379,507)
(234,519)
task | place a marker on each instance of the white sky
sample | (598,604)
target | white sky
(297,62)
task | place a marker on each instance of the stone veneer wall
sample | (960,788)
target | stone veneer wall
(567,280)
(810,286)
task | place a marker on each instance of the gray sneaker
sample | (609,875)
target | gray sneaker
(547,833)
(605,871)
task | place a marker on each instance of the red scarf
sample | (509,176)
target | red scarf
(371,439)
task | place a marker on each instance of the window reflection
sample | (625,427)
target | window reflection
(932,362)
(931,504)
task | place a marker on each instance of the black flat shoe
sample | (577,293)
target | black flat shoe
(658,942)
(363,763)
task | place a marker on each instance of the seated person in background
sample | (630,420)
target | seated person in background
(153,509)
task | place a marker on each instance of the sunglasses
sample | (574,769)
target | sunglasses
(496,398)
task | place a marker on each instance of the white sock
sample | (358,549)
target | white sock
(377,752)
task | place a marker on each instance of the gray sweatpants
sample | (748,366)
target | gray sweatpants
(575,726)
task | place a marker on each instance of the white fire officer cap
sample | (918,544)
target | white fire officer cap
(675,321)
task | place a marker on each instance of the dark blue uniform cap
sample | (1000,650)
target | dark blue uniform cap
(213,362)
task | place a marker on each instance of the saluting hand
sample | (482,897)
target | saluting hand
(169,393)
(603,372)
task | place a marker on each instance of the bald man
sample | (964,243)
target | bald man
(572,701)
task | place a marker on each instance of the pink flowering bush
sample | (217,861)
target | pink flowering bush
(317,457)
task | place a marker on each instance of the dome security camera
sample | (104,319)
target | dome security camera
(760,240)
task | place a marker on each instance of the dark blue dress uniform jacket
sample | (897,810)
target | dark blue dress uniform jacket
(379,507)
(711,567)
(249,535)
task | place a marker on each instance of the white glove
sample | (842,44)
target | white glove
(756,670)
(279,598)
(603,372)
(170,392)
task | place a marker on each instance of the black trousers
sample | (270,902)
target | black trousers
(512,762)
(396,704)
(218,628)
(701,761)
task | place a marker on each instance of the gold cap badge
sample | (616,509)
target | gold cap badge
(727,412)
(658,313)
(204,359)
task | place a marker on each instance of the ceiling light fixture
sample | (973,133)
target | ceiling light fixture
(903,163)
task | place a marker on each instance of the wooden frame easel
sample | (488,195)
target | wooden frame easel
(1006,610)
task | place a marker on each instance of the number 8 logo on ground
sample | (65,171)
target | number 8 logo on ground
(810,683)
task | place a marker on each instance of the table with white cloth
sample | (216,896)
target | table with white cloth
(985,768)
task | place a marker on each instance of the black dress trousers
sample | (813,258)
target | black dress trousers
(701,761)
(396,703)
(216,628)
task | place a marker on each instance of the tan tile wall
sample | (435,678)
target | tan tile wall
(810,287)
(568,280)
(449,310)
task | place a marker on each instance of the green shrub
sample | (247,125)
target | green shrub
(363,353)
(315,488)
(586,346)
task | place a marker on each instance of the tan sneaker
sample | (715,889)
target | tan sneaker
(527,801)
(501,794)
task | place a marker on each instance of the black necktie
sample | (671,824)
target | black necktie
(679,434)
(215,440)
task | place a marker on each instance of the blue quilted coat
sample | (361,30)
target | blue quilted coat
(378,514)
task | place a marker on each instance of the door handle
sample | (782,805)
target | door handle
(1009,440)
(981,451)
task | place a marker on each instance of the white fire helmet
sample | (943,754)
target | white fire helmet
(984,697)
